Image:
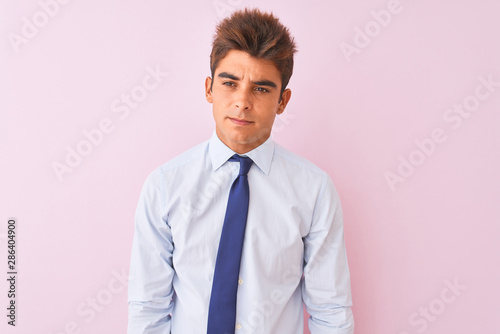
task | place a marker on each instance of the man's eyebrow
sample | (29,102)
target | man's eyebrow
(265,83)
(258,83)
(227,75)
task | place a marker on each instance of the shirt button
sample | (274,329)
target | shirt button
(240,281)
(238,326)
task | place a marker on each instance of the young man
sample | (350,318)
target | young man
(234,235)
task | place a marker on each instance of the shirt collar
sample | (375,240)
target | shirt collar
(262,155)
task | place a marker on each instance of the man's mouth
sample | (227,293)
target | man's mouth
(238,121)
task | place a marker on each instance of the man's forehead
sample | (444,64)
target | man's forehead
(239,64)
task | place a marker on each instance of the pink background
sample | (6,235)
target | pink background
(357,115)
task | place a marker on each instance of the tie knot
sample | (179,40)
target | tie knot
(245,163)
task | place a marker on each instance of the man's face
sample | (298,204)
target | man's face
(246,99)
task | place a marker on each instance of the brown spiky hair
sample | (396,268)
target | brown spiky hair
(259,34)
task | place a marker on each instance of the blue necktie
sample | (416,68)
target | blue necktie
(222,309)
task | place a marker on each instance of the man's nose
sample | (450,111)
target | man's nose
(243,99)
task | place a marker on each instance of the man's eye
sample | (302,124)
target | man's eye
(263,90)
(228,83)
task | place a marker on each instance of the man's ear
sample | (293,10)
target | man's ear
(285,97)
(208,91)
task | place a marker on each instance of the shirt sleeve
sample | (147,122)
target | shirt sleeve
(326,286)
(151,273)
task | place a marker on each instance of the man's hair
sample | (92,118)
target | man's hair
(259,34)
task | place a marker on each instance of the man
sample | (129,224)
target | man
(234,235)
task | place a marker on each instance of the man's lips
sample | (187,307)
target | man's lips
(238,121)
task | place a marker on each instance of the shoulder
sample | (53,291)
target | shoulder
(180,163)
(296,163)
(302,173)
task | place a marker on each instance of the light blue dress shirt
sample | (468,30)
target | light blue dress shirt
(293,252)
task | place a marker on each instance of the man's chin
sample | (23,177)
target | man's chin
(247,138)
(240,137)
